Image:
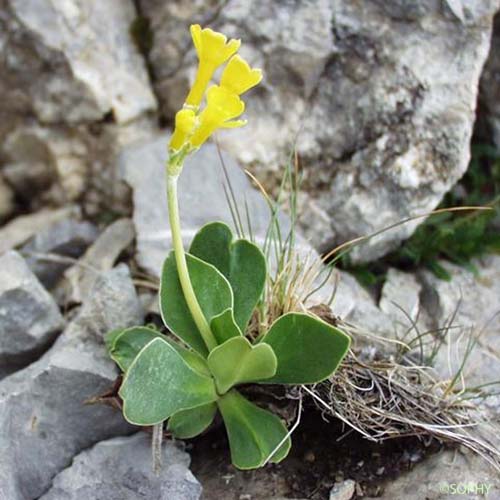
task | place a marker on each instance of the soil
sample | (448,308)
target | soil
(317,461)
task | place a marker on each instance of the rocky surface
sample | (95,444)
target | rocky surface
(490,85)
(46,252)
(120,469)
(44,420)
(60,77)
(101,256)
(383,129)
(29,316)
(446,476)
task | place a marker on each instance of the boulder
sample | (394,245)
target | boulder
(72,62)
(121,469)
(379,98)
(44,418)
(29,316)
(67,238)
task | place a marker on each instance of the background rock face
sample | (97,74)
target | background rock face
(383,94)
(61,77)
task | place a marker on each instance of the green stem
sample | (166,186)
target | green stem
(180,259)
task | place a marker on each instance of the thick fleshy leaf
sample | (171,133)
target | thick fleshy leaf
(211,289)
(160,383)
(187,424)
(240,261)
(308,349)
(254,433)
(224,326)
(110,337)
(127,345)
(237,361)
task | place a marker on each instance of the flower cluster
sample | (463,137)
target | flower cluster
(223,104)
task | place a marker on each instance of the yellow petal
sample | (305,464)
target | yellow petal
(185,120)
(196,36)
(238,77)
(234,124)
(226,104)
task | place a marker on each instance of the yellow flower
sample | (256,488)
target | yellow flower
(185,120)
(238,76)
(213,49)
(221,107)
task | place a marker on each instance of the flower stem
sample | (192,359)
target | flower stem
(180,259)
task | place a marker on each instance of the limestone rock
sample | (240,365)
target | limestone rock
(44,420)
(381,94)
(439,477)
(67,238)
(469,305)
(99,257)
(72,61)
(24,227)
(490,85)
(400,299)
(29,317)
(121,469)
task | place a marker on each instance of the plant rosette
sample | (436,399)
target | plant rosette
(207,298)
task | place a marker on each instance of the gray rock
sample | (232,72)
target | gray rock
(343,491)
(72,62)
(446,476)
(101,256)
(121,469)
(201,197)
(400,300)
(29,317)
(383,134)
(469,304)
(44,420)
(67,238)
(24,227)
(490,85)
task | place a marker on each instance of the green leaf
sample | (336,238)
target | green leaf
(253,433)
(224,327)
(237,361)
(160,383)
(110,337)
(211,289)
(240,261)
(129,342)
(187,424)
(308,349)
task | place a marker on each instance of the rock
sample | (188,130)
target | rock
(400,300)
(343,491)
(201,197)
(468,304)
(446,476)
(121,469)
(44,420)
(46,162)
(29,317)
(382,135)
(67,238)
(490,85)
(100,257)
(72,62)
(467,308)
(24,227)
